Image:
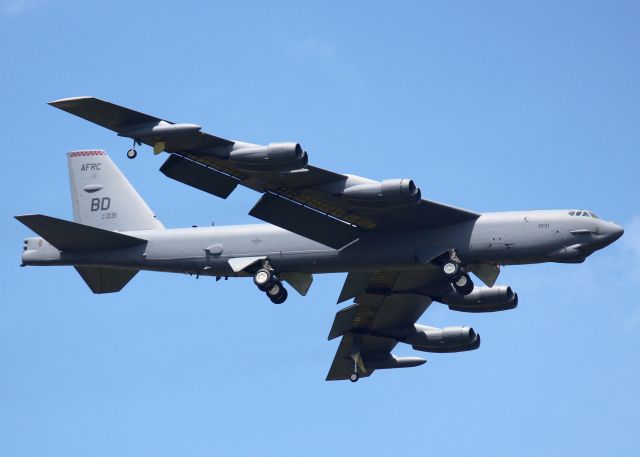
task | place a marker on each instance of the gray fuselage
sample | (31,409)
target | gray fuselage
(518,237)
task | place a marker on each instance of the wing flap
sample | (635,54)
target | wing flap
(304,221)
(196,175)
(355,283)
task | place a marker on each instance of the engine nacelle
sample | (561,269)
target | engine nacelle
(483,300)
(390,192)
(448,339)
(274,157)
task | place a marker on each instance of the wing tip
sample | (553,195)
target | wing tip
(23,217)
(63,101)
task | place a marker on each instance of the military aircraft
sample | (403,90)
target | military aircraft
(401,252)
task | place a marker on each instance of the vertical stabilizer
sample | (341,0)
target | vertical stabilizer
(102,196)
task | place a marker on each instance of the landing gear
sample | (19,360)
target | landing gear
(263,279)
(268,282)
(456,273)
(451,269)
(277,293)
(463,285)
(132,153)
(355,356)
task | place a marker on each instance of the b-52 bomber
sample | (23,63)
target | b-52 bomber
(401,252)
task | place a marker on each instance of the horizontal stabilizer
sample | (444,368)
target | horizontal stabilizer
(196,175)
(71,236)
(105,280)
(304,221)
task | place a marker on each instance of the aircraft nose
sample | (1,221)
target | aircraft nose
(611,231)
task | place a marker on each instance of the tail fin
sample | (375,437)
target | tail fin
(102,197)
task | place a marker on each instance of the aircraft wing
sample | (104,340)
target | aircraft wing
(387,305)
(373,325)
(328,207)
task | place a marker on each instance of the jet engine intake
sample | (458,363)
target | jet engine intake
(276,157)
(390,192)
(482,300)
(448,339)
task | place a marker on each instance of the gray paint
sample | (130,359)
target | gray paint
(498,238)
(383,234)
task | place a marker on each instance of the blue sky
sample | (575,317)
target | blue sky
(488,105)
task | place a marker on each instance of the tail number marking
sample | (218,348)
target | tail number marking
(103,204)
(100,204)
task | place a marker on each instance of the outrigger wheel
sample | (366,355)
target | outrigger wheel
(263,279)
(132,153)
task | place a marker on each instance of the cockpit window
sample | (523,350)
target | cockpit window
(584,213)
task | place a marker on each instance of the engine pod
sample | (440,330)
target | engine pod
(390,192)
(276,157)
(483,300)
(448,339)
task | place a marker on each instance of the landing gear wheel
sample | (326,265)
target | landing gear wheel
(132,153)
(263,279)
(275,290)
(451,269)
(277,294)
(353,377)
(463,285)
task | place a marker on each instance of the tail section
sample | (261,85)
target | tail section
(103,197)
(71,236)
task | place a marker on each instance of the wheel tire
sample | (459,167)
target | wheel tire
(280,298)
(463,285)
(353,377)
(462,281)
(451,269)
(263,279)
(132,153)
(275,290)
